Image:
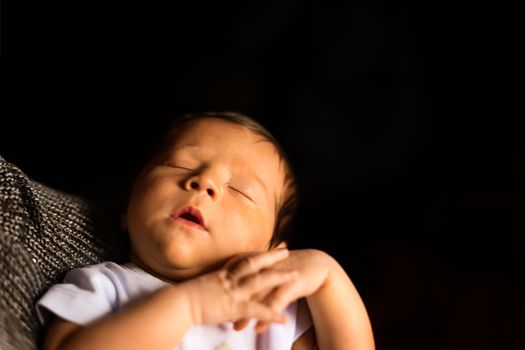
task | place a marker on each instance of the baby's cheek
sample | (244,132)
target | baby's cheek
(154,195)
(261,227)
(235,232)
(150,203)
(267,221)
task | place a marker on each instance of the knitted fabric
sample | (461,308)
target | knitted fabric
(43,234)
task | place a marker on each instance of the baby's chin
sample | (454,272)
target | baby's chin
(178,271)
(184,274)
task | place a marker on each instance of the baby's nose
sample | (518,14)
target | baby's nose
(194,185)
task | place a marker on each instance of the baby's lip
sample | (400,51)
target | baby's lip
(190,216)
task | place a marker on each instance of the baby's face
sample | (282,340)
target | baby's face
(210,195)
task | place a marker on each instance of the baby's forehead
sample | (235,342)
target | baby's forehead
(228,139)
(222,133)
(204,126)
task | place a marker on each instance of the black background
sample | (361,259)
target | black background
(395,115)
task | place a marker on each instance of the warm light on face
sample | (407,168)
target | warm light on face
(224,172)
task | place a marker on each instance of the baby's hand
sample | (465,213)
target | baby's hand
(313,269)
(232,292)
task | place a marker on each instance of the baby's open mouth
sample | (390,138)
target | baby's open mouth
(189,216)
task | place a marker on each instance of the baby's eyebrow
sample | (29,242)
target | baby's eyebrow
(259,141)
(185,146)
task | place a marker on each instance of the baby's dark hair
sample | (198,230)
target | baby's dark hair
(286,206)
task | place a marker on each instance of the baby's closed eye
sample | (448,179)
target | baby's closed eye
(178,166)
(242,192)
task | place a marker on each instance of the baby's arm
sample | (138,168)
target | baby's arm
(156,321)
(339,315)
(160,320)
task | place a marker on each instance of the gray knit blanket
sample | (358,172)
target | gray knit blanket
(43,234)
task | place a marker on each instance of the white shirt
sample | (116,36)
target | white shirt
(91,292)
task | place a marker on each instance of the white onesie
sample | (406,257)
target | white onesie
(91,292)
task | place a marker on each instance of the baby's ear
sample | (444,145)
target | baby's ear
(123,222)
(282,245)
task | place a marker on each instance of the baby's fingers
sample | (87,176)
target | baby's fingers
(265,280)
(263,313)
(261,327)
(255,263)
(241,324)
(283,296)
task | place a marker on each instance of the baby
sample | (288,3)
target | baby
(209,267)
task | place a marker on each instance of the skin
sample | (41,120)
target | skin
(238,211)
(227,271)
